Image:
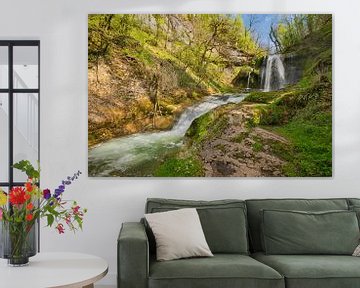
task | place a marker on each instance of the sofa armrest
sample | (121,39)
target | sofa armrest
(133,256)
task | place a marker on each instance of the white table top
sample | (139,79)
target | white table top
(45,270)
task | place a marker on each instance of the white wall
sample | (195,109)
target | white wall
(61,25)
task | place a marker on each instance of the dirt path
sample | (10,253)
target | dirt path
(241,150)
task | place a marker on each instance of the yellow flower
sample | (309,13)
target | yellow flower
(3,198)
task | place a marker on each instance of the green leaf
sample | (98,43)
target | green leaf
(26,167)
(50,219)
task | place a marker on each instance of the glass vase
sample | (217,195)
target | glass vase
(18,242)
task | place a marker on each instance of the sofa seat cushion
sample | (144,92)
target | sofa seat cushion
(313,271)
(222,270)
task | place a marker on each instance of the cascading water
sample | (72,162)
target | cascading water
(274,75)
(135,155)
(262,74)
(248,81)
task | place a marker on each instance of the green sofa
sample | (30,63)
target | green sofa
(233,230)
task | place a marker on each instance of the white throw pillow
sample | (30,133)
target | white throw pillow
(357,251)
(178,234)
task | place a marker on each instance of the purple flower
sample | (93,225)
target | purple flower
(68,181)
(46,194)
(58,192)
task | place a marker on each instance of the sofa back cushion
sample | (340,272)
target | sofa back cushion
(354,205)
(255,206)
(223,221)
(298,232)
(353,202)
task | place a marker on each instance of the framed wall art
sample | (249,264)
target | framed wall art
(210,95)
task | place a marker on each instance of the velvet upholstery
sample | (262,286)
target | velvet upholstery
(294,232)
(223,221)
(133,256)
(137,269)
(222,270)
(356,209)
(255,206)
(315,271)
(353,201)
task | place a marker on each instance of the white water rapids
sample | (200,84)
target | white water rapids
(137,154)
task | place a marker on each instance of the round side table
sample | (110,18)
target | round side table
(50,270)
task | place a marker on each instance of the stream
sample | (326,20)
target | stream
(138,154)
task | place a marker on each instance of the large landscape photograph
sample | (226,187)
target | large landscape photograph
(210,95)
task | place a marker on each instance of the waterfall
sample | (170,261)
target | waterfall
(136,154)
(262,74)
(193,112)
(274,75)
(248,81)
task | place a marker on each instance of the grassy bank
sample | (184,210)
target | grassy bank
(305,119)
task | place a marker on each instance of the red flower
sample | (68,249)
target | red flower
(17,196)
(68,219)
(29,217)
(75,209)
(60,228)
(27,196)
(29,206)
(29,186)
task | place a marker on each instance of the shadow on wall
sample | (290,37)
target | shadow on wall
(185,6)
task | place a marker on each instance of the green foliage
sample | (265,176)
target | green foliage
(311,150)
(106,31)
(247,77)
(196,41)
(304,117)
(142,36)
(184,79)
(178,167)
(240,137)
(141,55)
(293,29)
(262,97)
(309,92)
(207,127)
(26,167)
(212,35)
(274,115)
(257,146)
(50,219)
